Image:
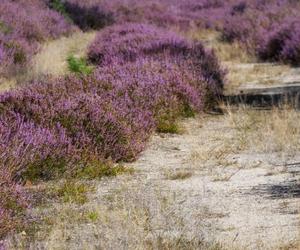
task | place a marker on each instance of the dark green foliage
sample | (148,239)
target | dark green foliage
(59,7)
(45,170)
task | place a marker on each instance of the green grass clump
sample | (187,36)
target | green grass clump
(93,216)
(5,29)
(73,192)
(188,111)
(168,125)
(79,65)
(98,170)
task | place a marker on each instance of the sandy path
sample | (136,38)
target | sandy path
(247,202)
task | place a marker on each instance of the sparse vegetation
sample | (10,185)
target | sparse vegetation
(73,192)
(178,174)
(97,170)
(274,130)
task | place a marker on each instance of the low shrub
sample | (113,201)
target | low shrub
(268,29)
(121,44)
(73,192)
(85,14)
(23,25)
(283,44)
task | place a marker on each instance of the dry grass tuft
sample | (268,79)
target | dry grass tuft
(257,74)
(178,174)
(268,131)
(132,216)
(226,52)
(52,59)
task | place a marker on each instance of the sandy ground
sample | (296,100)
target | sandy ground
(252,204)
(194,188)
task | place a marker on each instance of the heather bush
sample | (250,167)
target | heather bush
(86,14)
(269,29)
(25,146)
(96,123)
(13,203)
(283,44)
(121,44)
(163,87)
(23,25)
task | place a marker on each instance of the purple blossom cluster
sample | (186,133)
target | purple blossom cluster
(23,25)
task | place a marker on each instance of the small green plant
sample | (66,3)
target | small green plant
(167,126)
(188,111)
(97,170)
(79,65)
(93,216)
(19,56)
(73,192)
(5,29)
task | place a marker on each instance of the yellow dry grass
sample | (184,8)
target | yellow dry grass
(225,52)
(258,74)
(266,131)
(52,59)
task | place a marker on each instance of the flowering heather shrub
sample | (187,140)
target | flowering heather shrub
(160,87)
(13,202)
(86,14)
(94,120)
(25,146)
(23,25)
(129,42)
(166,13)
(283,44)
(269,29)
